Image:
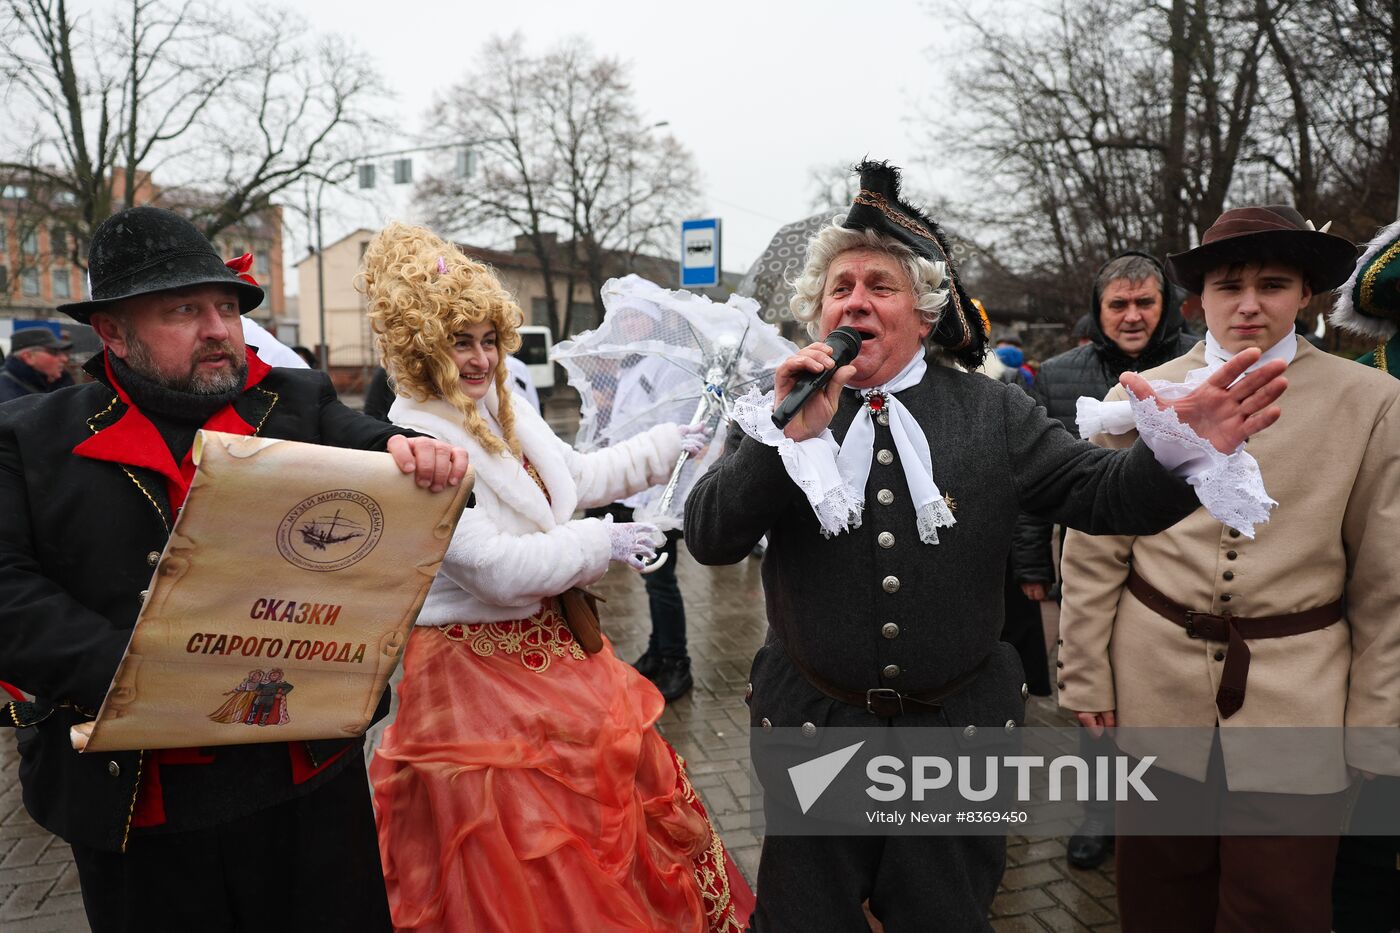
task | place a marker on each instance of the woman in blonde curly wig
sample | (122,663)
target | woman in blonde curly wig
(519,763)
(422,291)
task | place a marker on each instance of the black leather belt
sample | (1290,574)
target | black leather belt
(886,702)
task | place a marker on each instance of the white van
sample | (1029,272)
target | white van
(535,346)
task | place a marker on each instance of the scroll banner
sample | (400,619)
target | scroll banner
(283,600)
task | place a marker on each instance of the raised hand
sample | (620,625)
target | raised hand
(1224,414)
(812,420)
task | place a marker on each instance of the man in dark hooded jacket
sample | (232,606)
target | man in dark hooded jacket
(1135,324)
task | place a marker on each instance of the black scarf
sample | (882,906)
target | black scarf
(176,415)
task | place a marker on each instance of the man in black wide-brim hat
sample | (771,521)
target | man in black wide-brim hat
(884,578)
(91,478)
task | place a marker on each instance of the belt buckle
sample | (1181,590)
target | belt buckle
(1193,614)
(882,693)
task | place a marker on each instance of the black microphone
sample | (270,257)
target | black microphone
(845,346)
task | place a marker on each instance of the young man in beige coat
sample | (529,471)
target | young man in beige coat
(1204,626)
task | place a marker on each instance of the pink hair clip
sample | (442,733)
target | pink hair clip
(442,266)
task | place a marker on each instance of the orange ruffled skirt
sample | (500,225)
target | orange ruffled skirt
(522,787)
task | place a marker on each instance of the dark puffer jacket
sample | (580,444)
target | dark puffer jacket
(1091,370)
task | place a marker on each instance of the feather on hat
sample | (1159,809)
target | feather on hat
(961,329)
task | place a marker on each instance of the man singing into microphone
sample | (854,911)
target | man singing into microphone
(889,502)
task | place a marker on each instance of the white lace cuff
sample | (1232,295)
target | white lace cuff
(811,464)
(1230,486)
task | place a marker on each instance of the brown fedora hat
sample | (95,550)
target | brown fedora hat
(1265,234)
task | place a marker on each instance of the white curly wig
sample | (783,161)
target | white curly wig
(831,241)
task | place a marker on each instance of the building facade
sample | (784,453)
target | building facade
(43,264)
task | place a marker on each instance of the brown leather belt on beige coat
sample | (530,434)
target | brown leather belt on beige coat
(1233,629)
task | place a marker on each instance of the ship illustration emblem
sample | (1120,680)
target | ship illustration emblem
(330,530)
(322,532)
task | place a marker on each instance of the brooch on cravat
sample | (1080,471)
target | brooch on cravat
(876,403)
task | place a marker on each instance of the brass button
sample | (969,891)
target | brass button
(1059,641)
(1225,597)
(891,671)
(890,584)
(885,456)
(748,692)
(1220,656)
(1059,663)
(1060,684)
(1229,575)
(114,769)
(1011,725)
(969,732)
(1231,555)
(889,630)
(1234,533)
(884,497)
(1025,691)
(766,724)
(886,539)
(809,729)
(883,417)
(152,558)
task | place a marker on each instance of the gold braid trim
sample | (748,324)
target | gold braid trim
(1381,362)
(877,201)
(872,199)
(14,717)
(270,405)
(131,810)
(1368,281)
(130,475)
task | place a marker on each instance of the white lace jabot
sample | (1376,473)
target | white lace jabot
(833,479)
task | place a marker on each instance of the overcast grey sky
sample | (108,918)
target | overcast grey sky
(759,91)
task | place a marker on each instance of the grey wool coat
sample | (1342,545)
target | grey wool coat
(996,453)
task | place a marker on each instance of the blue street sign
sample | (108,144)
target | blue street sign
(700,253)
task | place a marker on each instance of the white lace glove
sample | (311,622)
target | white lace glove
(633,543)
(694,437)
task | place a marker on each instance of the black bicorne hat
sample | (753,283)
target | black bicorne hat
(961,328)
(142,250)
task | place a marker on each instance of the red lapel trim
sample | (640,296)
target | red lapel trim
(134,441)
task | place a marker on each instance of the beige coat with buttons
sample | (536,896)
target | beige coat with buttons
(1332,462)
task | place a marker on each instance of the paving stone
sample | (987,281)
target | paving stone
(1096,883)
(1059,920)
(1030,876)
(1010,903)
(1087,909)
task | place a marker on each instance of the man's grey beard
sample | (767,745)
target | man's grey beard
(138,357)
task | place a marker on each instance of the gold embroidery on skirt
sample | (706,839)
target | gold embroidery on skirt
(710,871)
(538,640)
